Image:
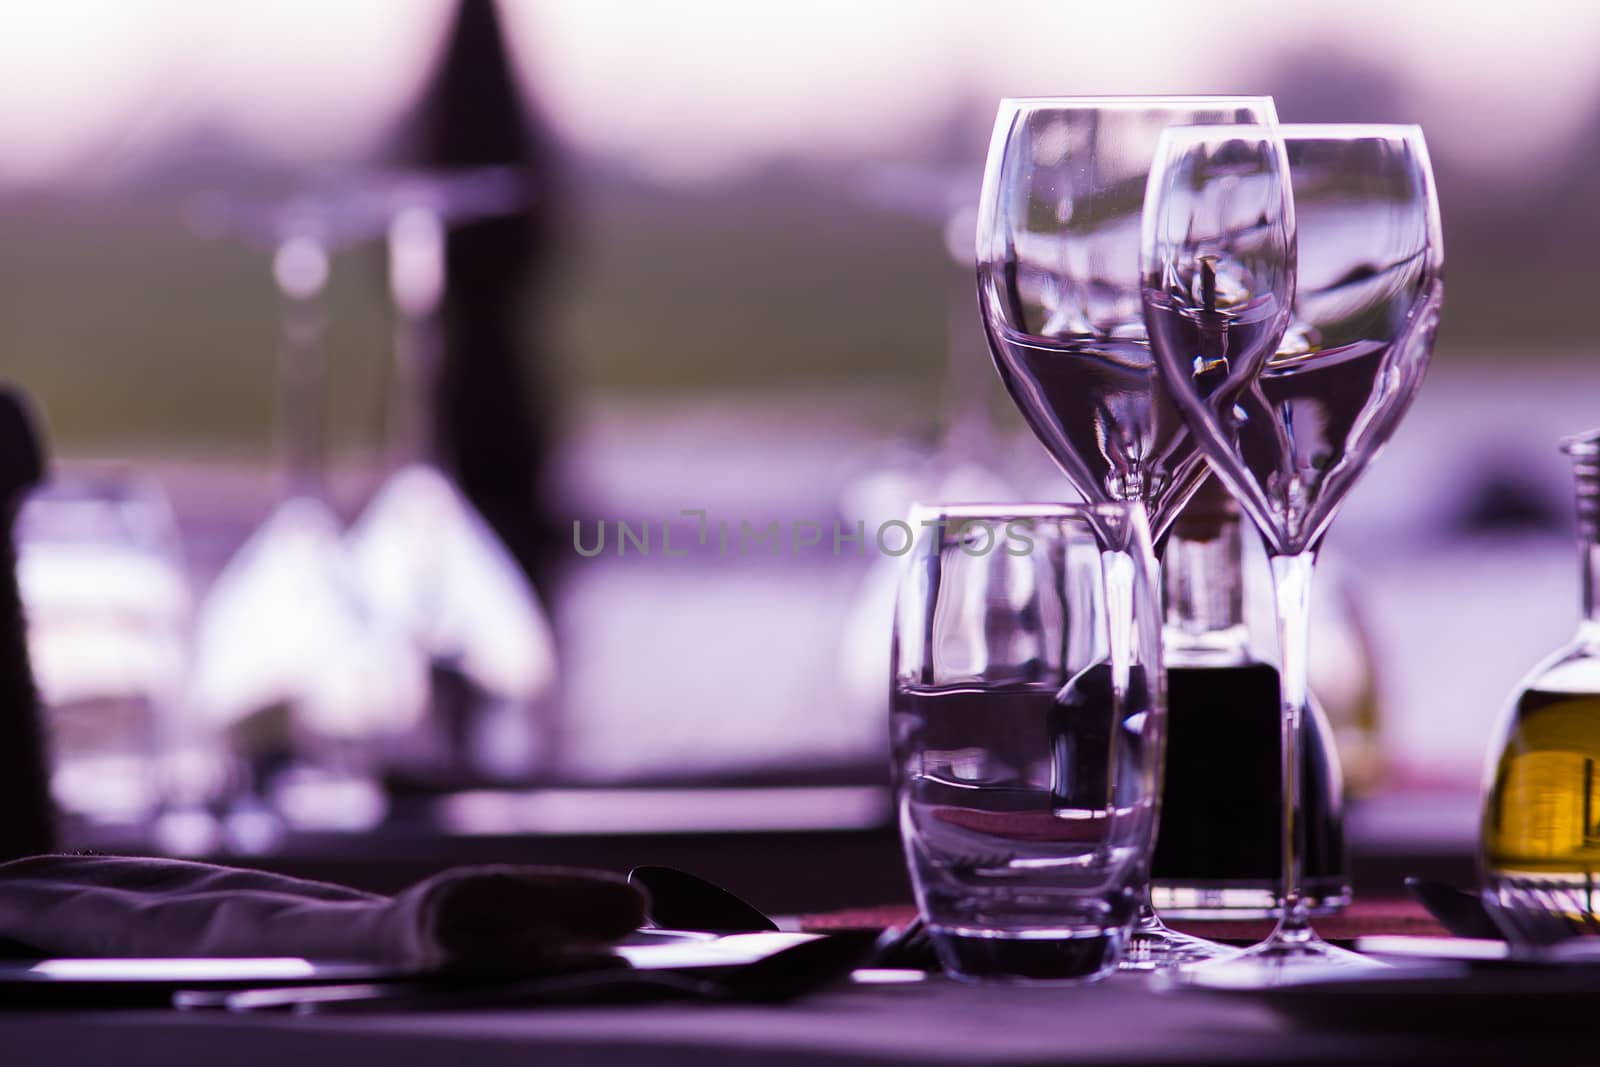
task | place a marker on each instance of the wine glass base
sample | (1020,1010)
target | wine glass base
(1152,946)
(1277,961)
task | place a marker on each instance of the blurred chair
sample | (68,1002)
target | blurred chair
(27,825)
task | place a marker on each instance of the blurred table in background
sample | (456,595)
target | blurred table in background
(769,668)
(787,851)
(1457,548)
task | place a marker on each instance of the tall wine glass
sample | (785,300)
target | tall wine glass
(1289,424)
(1058,289)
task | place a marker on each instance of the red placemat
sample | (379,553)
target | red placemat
(1380,915)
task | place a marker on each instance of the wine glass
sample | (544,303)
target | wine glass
(1058,289)
(1288,423)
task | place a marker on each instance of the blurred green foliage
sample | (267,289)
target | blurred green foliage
(138,337)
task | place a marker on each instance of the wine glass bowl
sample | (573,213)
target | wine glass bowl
(1222,253)
(1058,246)
(1294,434)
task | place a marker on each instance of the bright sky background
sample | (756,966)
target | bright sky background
(703,88)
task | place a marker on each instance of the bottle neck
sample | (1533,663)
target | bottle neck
(1585,453)
(411,439)
(1202,576)
(1591,593)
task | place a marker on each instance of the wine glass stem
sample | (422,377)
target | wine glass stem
(1291,575)
(1118,568)
(417,344)
(300,395)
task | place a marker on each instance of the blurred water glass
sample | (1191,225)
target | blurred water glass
(107,600)
(1027,734)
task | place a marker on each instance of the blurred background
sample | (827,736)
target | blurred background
(742,286)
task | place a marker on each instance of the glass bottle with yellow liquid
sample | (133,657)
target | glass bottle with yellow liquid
(1540,840)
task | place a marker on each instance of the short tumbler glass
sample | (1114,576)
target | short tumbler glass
(1027,729)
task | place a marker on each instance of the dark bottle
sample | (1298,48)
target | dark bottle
(1217,853)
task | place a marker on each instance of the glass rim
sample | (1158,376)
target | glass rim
(1303,131)
(1130,99)
(1237,130)
(1125,523)
(1585,444)
(1082,511)
(1349,131)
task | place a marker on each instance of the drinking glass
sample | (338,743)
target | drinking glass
(106,595)
(1027,737)
(1291,393)
(1058,288)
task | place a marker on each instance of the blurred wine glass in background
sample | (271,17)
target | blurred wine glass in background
(966,463)
(426,562)
(289,662)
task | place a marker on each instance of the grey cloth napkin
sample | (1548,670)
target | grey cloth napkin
(126,906)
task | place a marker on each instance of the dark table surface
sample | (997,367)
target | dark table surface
(1128,1019)
(1121,1021)
(801,869)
